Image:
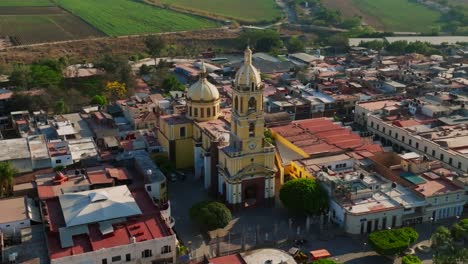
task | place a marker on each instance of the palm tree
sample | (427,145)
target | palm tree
(7,172)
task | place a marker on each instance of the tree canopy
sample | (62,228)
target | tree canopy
(210,215)
(295,45)
(304,196)
(170,83)
(163,163)
(61,107)
(155,45)
(393,241)
(99,100)
(7,172)
(261,40)
(443,241)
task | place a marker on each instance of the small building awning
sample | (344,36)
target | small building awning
(319,254)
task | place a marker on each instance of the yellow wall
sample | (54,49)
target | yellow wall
(184,153)
(183,145)
(298,171)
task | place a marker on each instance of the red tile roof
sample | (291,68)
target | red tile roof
(231,259)
(321,136)
(148,226)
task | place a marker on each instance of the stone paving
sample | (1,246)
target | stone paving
(262,225)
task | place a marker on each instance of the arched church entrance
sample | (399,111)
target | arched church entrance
(250,195)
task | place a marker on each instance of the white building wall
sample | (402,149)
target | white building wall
(64,160)
(14,228)
(135,250)
(418,144)
(337,213)
(445,206)
(353,221)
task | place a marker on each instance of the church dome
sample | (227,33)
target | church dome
(248,74)
(203,90)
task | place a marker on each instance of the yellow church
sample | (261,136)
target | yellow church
(234,160)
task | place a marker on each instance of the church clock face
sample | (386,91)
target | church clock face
(252,145)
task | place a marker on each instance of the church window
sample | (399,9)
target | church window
(208,112)
(190,111)
(202,112)
(252,104)
(252,130)
(196,112)
(241,104)
(182,132)
(253,87)
(214,110)
(236,103)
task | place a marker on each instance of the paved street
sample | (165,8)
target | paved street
(263,225)
(183,194)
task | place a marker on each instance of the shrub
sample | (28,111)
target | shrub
(394,241)
(409,259)
(210,215)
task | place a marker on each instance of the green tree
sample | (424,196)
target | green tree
(446,251)
(441,238)
(374,44)
(261,40)
(393,241)
(269,137)
(7,173)
(339,41)
(155,45)
(351,22)
(61,107)
(44,76)
(163,163)
(295,45)
(117,68)
(210,215)
(397,47)
(410,259)
(99,100)
(170,83)
(20,76)
(145,69)
(459,230)
(304,196)
(59,168)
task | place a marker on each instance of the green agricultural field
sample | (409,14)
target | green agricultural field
(25,3)
(127,17)
(243,10)
(400,15)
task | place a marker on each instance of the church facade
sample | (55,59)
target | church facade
(246,168)
(233,160)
